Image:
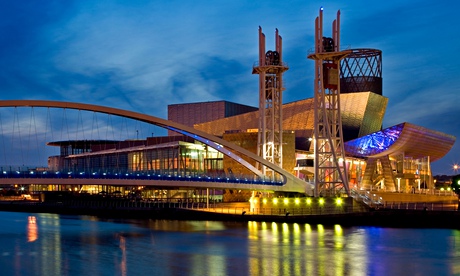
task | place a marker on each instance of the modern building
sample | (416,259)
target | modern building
(170,155)
(397,158)
(190,114)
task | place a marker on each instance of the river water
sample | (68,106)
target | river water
(49,244)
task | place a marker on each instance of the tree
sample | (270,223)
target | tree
(455,186)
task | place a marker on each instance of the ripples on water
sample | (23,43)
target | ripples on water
(48,244)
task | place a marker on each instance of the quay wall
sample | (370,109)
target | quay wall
(380,217)
(405,197)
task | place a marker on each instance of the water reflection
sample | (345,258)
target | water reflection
(288,250)
(123,255)
(44,244)
(48,246)
(32,230)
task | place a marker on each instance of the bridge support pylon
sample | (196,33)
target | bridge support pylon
(330,167)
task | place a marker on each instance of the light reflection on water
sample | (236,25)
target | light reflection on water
(47,244)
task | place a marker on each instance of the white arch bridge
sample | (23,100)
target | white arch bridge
(285,182)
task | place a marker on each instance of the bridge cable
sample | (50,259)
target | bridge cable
(36,135)
(80,123)
(3,140)
(95,122)
(64,125)
(16,120)
(109,127)
(48,120)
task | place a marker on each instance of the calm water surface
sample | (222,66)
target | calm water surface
(48,244)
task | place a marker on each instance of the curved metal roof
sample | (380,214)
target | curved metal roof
(362,113)
(412,140)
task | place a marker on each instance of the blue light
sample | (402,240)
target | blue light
(374,143)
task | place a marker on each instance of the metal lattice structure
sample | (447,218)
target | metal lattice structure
(361,71)
(330,169)
(270,70)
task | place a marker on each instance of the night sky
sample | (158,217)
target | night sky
(145,55)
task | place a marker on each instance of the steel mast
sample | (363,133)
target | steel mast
(330,167)
(270,133)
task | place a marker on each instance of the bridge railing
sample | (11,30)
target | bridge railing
(137,176)
(427,206)
(371,200)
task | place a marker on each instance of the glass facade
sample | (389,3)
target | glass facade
(175,158)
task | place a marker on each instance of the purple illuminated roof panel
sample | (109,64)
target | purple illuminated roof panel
(407,139)
(374,143)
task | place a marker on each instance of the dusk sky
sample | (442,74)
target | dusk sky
(145,55)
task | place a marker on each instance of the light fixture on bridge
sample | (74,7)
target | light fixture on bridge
(338,201)
(321,201)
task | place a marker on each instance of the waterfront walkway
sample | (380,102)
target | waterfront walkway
(411,215)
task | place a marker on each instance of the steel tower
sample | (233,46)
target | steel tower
(330,167)
(270,69)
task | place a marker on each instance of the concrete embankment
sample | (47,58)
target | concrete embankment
(380,218)
(406,197)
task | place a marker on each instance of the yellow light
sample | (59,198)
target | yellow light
(275,201)
(320,229)
(339,201)
(321,201)
(308,201)
(264,201)
(338,229)
(297,201)
(442,189)
(448,188)
(254,201)
(286,201)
